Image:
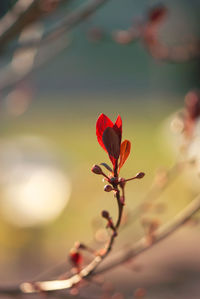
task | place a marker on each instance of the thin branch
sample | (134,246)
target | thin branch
(16,19)
(12,74)
(161,233)
(121,257)
(10,77)
(21,15)
(157,189)
(174,54)
(66,24)
(90,268)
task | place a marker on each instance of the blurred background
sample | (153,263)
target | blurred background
(58,71)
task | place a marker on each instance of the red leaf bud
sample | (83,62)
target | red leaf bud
(96,169)
(75,257)
(108,188)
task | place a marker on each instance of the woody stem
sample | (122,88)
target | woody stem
(120,209)
(116,168)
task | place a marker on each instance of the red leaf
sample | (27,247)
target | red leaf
(124,152)
(112,144)
(76,258)
(118,126)
(103,122)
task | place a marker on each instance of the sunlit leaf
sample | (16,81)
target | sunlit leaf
(124,152)
(112,142)
(118,126)
(103,122)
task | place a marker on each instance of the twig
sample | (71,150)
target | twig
(10,77)
(156,190)
(174,54)
(22,13)
(66,24)
(160,234)
(119,258)
(90,268)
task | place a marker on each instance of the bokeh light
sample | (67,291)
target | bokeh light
(35,189)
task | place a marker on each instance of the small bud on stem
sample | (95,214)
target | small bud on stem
(75,258)
(139,175)
(105,214)
(96,169)
(108,188)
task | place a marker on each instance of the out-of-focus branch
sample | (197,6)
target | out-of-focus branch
(146,31)
(174,54)
(26,61)
(130,251)
(158,187)
(67,23)
(10,76)
(161,233)
(23,13)
(119,258)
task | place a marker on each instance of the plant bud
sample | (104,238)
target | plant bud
(105,214)
(108,188)
(140,175)
(96,169)
(75,257)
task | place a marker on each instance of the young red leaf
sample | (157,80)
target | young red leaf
(124,152)
(112,144)
(118,126)
(103,122)
(75,258)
